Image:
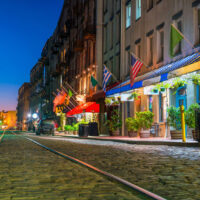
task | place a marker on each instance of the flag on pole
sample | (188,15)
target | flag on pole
(135,68)
(175,38)
(70,94)
(93,81)
(106,77)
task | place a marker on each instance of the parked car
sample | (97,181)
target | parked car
(46,127)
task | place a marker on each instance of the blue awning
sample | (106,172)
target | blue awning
(162,72)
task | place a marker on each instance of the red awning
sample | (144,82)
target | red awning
(91,107)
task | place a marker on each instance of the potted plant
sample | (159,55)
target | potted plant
(132,126)
(174,120)
(196,79)
(178,82)
(161,87)
(108,101)
(190,118)
(115,123)
(134,95)
(145,121)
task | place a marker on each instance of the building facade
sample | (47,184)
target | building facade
(23,106)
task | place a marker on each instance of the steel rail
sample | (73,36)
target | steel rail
(2,135)
(106,174)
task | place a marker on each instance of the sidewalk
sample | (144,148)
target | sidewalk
(137,140)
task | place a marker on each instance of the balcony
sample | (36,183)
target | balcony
(89,32)
(78,46)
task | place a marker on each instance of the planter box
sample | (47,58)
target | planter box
(194,134)
(132,133)
(115,133)
(145,133)
(175,134)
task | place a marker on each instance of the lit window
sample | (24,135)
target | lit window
(128,15)
(138,9)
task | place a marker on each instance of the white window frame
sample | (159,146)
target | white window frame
(128,15)
(138,9)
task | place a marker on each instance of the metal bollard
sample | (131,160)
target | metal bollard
(183,122)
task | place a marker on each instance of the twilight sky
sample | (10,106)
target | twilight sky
(25,25)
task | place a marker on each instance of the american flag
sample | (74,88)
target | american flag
(106,77)
(135,68)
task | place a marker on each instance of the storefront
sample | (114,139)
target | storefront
(157,101)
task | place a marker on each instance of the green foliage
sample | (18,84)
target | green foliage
(190,115)
(132,124)
(162,86)
(115,122)
(108,101)
(196,79)
(178,82)
(174,117)
(59,129)
(145,119)
(134,95)
(68,128)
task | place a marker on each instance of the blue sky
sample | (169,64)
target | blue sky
(25,25)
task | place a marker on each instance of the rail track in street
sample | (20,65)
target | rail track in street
(137,192)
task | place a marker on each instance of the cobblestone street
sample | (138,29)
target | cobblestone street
(172,172)
(30,172)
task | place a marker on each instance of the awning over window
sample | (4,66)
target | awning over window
(91,107)
(161,74)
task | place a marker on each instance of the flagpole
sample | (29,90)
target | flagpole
(191,45)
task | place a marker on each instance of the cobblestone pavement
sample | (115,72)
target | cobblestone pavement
(172,172)
(30,172)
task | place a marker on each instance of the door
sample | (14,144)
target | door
(181,99)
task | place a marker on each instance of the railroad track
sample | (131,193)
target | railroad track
(147,194)
(1,136)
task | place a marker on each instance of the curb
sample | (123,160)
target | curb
(176,144)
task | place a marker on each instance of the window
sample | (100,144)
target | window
(198,27)
(105,5)
(151,103)
(111,34)
(149,4)
(160,49)
(105,39)
(198,94)
(138,9)
(150,50)
(138,50)
(178,48)
(128,15)
(118,27)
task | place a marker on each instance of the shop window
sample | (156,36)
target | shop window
(128,15)
(198,94)
(138,9)
(151,103)
(128,109)
(160,108)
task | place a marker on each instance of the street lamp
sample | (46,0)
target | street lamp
(35,115)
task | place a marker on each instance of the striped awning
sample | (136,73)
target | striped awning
(161,74)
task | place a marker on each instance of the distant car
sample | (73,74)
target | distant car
(46,127)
